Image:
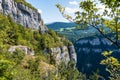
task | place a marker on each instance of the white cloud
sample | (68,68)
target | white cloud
(71,10)
(102,8)
(39,10)
(74,3)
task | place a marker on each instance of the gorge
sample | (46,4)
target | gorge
(89,45)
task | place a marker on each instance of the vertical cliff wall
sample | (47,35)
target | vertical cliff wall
(63,54)
(22,14)
(31,18)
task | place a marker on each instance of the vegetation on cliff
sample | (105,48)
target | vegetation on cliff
(19,66)
(19,35)
(26,4)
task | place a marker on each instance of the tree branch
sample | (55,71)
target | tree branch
(114,42)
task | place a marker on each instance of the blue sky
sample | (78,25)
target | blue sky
(50,13)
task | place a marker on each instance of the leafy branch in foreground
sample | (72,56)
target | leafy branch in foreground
(112,65)
(90,15)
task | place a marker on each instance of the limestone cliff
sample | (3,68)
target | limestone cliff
(65,54)
(22,14)
(31,18)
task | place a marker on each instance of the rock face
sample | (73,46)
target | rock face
(22,15)
(30,18)
(25,49)
(89,54)
(72,54)
(65,54)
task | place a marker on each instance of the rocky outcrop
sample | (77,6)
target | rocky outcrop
(25,49)
(31,18)
(60,54)
(63,54)
(72,54)
(22,15)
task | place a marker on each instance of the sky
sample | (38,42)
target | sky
(50,13)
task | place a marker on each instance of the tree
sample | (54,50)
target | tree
(112,65)
(67,72)
(17,56)
(6,69)
(89,15)
(96,76)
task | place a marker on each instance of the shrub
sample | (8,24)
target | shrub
(6,70)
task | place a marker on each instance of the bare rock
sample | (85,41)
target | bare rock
(25,49)
(23,15)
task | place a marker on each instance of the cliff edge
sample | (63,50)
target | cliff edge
(22,14)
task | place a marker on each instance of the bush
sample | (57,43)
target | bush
(6,70)
(67,72)
(16,56)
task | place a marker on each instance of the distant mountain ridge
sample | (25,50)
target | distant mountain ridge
(72,29)
(58,25)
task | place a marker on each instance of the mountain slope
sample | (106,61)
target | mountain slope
(89,45)
(24,14)
(71,29)
(51,50)
(58,25)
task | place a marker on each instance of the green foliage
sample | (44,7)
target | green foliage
(33,65)
(26,4)
(112,65)
(52,60)
(52,39)
(4,28)
(111,3)
(6,69)
(96,76)
(16,56)
(17,65)
(23,74)
(89,15)
(19,35)
(27,68)
(67,72)
(66,42)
